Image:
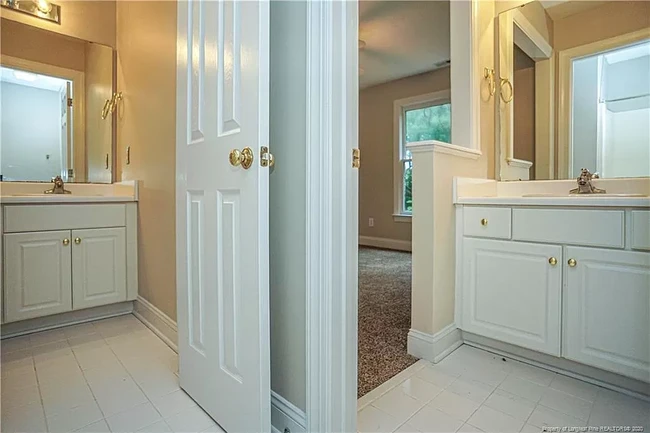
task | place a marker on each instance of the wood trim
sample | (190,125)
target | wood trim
(284,415)
(467,76)
(45,323)
(447,148)
(332,215)
(159,323)
(565,90)
(389,244)
(79,111)
(434,347)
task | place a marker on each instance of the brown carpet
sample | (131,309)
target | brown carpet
(384,316)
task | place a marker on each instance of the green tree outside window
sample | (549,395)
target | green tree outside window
(420,124)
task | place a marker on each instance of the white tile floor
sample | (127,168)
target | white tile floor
(473,390)
(113,375)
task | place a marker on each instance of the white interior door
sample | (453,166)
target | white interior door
(222,210)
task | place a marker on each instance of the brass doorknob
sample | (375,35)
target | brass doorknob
(552,261)
(77,241)
(243,157)
(66,242)
(572,263)
(484,222)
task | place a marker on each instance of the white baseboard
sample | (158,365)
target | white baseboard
(65,319)
(160,323)
(284,415)
(435,347)
(389,244)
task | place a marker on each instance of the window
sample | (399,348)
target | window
(423,118)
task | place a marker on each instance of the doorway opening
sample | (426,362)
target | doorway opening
(404,97)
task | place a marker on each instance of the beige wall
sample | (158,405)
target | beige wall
(99,132)
(92,21)
(612,19)
(524,107)
(146,47)
(376,142)
(30,43)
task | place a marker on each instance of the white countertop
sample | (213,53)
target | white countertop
(64,198)
(591,201)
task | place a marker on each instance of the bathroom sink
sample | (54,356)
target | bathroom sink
(584,195)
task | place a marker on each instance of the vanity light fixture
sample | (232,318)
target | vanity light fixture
(38,8)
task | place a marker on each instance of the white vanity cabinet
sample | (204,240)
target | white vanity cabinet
(607,310)
(513,293)
(65,257)
(37,277)
(568,282)
(98,267)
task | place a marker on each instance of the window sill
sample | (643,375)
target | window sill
(402,217)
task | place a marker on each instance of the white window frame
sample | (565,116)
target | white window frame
(400,107)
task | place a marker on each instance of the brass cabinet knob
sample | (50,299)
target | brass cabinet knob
(484,222)
(552,261)
(572,263)
(77,241)
(66,242)
(243,157)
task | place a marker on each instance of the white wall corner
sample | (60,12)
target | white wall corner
(161,324)
(284,415)
(390,244)
(435,347)
(465,81)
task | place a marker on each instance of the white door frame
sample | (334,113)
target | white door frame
(332,215)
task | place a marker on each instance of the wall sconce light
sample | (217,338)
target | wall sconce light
(43,9)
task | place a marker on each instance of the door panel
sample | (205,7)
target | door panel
(98,267)
(512,293)
(607,310)
(222,211)
(37,274)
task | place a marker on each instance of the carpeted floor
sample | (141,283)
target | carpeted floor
(384,316)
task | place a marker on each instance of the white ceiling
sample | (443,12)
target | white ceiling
(403,38)
(8,75)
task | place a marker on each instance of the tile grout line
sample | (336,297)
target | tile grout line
(83,373)
(40,392)
(162,417)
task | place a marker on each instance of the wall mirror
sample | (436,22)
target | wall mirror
(573,81)
(57,116)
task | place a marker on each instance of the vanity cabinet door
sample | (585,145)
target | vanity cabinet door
(512,292)
(37,269)
(98,267)
(607,310)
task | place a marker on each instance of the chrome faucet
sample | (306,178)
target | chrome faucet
(584,184)
(58,188)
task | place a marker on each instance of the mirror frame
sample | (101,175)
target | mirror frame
(513,28)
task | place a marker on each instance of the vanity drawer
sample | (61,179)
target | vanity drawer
(602,228)
(33,218)
(486,222)
(640,233)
